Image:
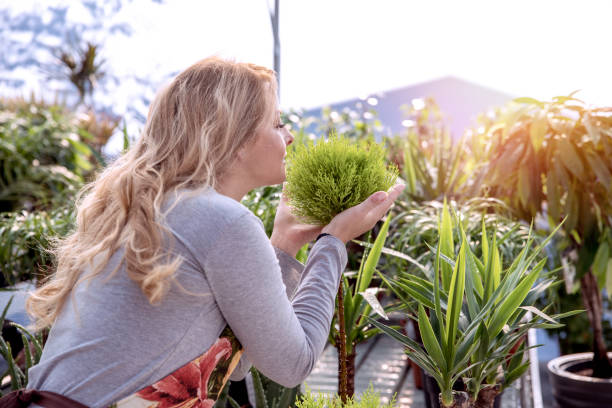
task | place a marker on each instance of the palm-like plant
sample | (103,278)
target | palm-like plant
(349,326)
(555,159)
(81,66)
(474,319)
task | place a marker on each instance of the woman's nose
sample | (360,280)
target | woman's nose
(288,137)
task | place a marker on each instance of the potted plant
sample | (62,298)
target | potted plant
(554,159)
(417,225)
(474,320)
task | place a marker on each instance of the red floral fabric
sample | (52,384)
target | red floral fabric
(197,384)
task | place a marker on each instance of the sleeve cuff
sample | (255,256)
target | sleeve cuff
(337,244)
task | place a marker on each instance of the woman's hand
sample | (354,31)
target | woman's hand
(288,234)
(356,220)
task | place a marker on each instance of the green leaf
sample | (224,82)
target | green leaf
(447,245)
(609,278)
(489,274)
(483,341)
(513,375)
(28,356)
(409,172)
(260,395)
(437,304)
(393,252)
(405,340)
(509,305)
(528,100)
(430,341)
(374,256)
(524,190)
(538,312)
(6,309)
(567,314)
(415,290)
(126,138)
(537,130)
(472,279)
(302,255)
(553,196)
(287,397)
(496,268)
(233,402)
(600,263)
(370,297)
(600,169)
(484,240)
(570,158)
(455,301)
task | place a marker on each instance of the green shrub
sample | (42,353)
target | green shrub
(26,237)
(326,178)
(43,156)
(44,161)
(369,399)
(262,202)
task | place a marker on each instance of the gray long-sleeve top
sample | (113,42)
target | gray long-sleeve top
(109,341)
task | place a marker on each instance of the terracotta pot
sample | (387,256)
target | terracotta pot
(572,389)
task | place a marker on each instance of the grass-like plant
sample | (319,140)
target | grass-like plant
(369,399)
(326,178)
(17,371)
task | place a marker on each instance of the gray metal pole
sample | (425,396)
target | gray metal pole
(274,20)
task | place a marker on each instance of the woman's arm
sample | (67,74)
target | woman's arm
(282,340)
(291,271)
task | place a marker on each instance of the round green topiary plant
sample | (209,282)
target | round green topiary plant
(326,178)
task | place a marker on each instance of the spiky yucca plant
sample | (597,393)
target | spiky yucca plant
(326,178)
(473,323)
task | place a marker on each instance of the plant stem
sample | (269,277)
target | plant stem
(342,372)
(591,296)
(350,373)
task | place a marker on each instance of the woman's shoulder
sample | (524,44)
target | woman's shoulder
(207,209)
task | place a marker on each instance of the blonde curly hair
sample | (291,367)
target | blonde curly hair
(194,129)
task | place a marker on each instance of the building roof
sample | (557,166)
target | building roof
(460,102)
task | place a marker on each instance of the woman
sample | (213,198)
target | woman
(168,280)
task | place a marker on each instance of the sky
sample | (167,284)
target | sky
(333,50)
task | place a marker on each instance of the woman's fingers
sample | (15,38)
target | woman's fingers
(379,203)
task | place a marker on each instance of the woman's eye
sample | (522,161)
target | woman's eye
(281,125)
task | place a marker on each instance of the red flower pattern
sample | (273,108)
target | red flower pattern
(187,387)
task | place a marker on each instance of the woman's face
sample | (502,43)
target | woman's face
(265,157)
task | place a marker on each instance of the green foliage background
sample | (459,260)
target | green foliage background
(45,159)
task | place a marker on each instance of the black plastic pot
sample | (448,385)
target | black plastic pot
(574,390)
(432,391)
